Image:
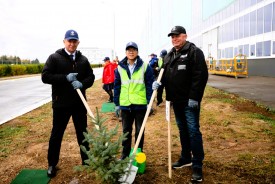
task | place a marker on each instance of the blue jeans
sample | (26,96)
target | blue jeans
(187,119)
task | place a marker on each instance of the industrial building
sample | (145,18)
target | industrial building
(221,28)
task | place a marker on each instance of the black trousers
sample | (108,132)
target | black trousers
(128,118)
(61,118)
(159,93)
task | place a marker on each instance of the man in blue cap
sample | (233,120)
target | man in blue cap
(67,70)
(132,93)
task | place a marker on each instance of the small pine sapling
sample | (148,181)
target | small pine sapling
(104,149)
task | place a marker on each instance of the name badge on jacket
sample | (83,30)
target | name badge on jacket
(183,56)
(181,67)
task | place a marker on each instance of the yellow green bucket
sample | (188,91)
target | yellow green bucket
(140,160)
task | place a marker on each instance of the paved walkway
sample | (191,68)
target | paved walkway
(255,88)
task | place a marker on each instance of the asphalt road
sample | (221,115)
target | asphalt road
(19,96)
(255,88)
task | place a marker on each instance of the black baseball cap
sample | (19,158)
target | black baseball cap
(177,30)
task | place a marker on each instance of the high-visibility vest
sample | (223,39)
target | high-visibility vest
(133,90)
(160,62)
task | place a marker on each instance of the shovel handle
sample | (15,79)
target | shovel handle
(147,113)
(85,103)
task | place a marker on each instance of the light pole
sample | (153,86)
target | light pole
(114,47)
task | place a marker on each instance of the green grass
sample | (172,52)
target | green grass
(7,135)
(264,118)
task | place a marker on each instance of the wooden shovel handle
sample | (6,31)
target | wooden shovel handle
(147,113)
(85,103)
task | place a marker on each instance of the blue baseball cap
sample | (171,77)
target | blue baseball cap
(71,35)
(131,44)
(163,53)
(106,59)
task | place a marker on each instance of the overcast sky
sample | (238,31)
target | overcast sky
(34,29)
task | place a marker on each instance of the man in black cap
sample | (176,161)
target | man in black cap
(67,70)
(185,77)
(132,93)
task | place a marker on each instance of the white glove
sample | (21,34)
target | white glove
(76,84)
(155,85)
(71,77)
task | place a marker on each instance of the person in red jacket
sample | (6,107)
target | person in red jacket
(108,78)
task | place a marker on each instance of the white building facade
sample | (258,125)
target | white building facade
(234,27)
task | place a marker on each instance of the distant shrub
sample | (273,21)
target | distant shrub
(5,70)
(18,70)
(32,69)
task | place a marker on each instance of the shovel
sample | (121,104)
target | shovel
(86,105)
(168,115)
(130,176)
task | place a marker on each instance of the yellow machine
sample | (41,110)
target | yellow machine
(236,67)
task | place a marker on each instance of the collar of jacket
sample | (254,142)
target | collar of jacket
(184,49)
(64,53)
(124,63)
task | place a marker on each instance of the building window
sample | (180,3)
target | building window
(259,49)
(253,23)
(253,2)
(228,52)
(246,50)
(267,18)
(240,49)
(236,51)
(236,29)
(246,26)
(241,27)
(252,50)
(266,48)
(221,34)
(260,20)
(273,51)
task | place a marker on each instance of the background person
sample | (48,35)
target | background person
(132,93)
(163,53)
(154,64)
(66,70)
(185,77)
(108,78)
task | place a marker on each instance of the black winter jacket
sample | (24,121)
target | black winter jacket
(185,74)
(57,67)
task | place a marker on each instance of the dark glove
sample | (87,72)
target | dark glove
(71,77)
(193,103)
(76,84)
(117,111)
(155,85)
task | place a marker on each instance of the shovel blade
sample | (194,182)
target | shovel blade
(130,176)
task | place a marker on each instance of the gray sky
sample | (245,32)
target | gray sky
(34,29)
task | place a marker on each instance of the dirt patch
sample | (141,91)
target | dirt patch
(239,144)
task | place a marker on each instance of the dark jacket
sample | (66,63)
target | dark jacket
(185,74)
(154,64)
(148,77)
(57,67)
